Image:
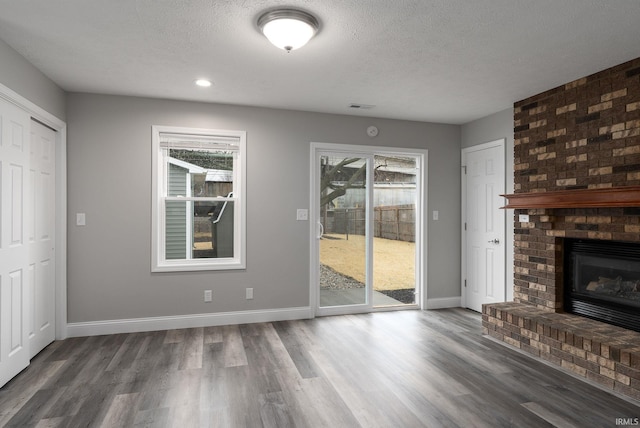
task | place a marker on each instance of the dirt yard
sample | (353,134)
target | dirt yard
(393,262)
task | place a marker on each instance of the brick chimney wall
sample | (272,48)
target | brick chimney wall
(585,134)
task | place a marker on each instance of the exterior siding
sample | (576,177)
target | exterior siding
(176,215)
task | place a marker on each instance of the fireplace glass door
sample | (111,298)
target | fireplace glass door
(610,279)
(602,281)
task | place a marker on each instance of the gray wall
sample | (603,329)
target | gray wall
(22,77)
(494,127)
(109,259)
(490,128)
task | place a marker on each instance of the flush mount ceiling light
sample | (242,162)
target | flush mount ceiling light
(288,29)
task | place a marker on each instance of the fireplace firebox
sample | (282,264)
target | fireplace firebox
(602,281)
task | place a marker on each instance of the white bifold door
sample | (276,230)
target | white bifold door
(27,225)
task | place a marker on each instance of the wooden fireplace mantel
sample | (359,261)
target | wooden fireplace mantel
(626,196)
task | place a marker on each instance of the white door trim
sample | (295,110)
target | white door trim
(420,223)
(60,127)
(463,206)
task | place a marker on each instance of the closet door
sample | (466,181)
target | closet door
(41,238)
(15,269)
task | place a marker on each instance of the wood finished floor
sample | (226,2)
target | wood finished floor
(391,369)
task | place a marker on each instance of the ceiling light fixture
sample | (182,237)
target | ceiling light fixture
(288,29)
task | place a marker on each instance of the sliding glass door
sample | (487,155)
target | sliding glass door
(366,229)
(395,204)
(344,225)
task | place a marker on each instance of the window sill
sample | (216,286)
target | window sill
(194,266)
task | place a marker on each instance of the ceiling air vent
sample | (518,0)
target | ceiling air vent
(361,106)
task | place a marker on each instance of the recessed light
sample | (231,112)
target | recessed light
(203,83)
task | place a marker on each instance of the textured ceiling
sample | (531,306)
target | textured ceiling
(449,61)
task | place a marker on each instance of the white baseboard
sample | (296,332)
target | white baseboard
(443,302)
(95,328)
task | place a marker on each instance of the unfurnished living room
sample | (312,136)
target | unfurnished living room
(319,213)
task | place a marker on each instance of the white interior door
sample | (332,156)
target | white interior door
(485,222)
(41,238)
(15,263)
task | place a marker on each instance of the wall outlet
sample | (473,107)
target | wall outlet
(208,295)
(249,293)
(523,218)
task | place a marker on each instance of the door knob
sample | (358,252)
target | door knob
(494,241)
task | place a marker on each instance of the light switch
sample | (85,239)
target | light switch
(81,219)
(436,215)
(523,218)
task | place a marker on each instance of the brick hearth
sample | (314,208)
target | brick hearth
(582,135)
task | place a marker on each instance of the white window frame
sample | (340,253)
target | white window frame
(159,263)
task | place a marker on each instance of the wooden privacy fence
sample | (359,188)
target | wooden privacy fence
(393,222)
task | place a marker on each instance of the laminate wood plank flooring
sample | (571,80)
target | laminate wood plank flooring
(386,369)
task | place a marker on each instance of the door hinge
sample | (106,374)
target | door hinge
(464,167)
(465,283)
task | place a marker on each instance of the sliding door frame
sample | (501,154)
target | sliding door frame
(314,229)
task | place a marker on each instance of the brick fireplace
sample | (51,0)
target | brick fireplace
(582,138)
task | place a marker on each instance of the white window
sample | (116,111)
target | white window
(198,211)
